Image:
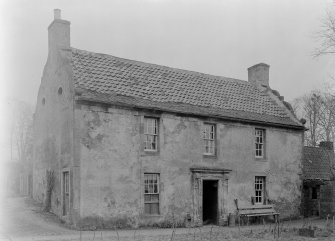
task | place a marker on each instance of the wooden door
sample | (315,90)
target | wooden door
(66,192)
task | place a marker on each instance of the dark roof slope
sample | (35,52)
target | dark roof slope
(317,163)
(110,79)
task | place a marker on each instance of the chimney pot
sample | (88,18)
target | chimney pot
(57,14)
(259,73)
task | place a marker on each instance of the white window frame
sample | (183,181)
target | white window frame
(209,139)
(150,134)
(259,143)
(151,191)
(259,189)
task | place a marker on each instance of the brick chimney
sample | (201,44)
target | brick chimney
(259,73)
(58,32)
(329,145)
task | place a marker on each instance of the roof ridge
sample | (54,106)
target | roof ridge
(314,147)
(318,147)
(164,66)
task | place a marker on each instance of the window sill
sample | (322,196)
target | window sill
(209,156)
(152,215)
(150,152)
(261,159)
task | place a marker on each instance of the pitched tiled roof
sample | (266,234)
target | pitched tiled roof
(317,163)
(110,79)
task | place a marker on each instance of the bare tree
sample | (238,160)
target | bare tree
(327,116)
(311,107)
(326,36)
(20,130)
(297,106)
(318,108)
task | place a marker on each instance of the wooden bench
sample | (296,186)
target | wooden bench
(256,211)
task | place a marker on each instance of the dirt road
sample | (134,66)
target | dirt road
(21,219)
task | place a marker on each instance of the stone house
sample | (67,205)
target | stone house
(319,180)
(134,143)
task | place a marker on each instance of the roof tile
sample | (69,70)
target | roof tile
(317,163)
(110,75)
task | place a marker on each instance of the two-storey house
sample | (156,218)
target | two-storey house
(135,143)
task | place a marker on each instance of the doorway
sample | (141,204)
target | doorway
(66,192)
(210,201)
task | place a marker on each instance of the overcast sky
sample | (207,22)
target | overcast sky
(219,37)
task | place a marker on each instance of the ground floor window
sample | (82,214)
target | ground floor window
(151,193)
(259,189)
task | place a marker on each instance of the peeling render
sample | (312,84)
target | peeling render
(112,164)
(108,162)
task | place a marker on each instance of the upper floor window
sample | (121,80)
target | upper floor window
(151,193)
(150,134)
(259,190)
(208,137)
(259,141)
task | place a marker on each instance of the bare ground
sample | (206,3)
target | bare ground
(22,219)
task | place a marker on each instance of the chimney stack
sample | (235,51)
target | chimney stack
(329,145)
(259,73)
(58,33)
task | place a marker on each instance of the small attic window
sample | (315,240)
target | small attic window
(43,101)
(60,91)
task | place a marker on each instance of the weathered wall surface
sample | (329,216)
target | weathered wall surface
(109,166)
(53,127)
(327,199)
(113,162)
(281,165)
(310,206)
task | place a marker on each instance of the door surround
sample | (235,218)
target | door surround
(199,174)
